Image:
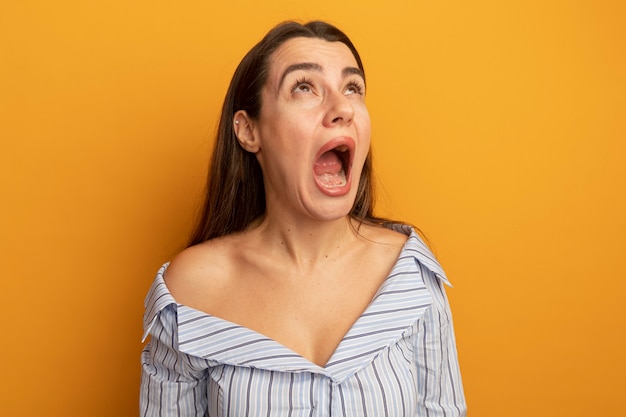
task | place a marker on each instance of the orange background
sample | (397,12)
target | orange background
(499,129)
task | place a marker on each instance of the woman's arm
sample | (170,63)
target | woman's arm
(440,389)
(172,383)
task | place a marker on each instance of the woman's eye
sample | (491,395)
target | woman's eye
(355,88)
(302,86)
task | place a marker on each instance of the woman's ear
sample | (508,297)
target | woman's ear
(244,130)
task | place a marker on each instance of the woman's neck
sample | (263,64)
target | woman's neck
(305,243)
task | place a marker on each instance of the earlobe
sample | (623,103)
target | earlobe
(244,130)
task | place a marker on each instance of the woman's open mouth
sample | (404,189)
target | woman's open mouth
(333,165)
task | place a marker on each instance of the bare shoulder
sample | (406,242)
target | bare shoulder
(199,271)
(383,236)
(382,246)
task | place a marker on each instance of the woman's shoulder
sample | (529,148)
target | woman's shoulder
(382,245)
(394,235)
(195,272)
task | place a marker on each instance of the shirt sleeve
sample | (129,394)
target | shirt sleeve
(440,389)
(172,383)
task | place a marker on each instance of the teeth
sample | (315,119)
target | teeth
(333,181)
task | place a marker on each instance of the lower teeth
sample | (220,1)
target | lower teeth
(333,180)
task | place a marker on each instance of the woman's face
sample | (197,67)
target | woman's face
(313,131)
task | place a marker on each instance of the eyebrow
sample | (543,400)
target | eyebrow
(312,66)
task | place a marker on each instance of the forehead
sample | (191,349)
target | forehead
(328,55)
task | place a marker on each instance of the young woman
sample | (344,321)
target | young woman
(292,298)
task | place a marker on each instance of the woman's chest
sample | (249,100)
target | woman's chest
(309,315)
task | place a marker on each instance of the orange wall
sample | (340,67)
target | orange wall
(499,129)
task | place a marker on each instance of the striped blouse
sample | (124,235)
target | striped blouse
(398,359)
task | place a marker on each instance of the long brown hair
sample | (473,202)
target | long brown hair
(235,194)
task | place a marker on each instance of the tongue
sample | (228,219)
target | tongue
(328,163)
(328,171)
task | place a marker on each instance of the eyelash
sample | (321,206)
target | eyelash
(301,81)
(358,87)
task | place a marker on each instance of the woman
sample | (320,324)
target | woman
(292,298)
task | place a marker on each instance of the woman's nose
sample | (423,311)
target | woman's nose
(340,110)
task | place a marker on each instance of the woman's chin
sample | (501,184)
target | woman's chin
(332,208)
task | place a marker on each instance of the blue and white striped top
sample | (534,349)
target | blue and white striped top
(398,359)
